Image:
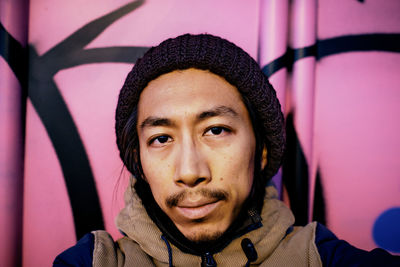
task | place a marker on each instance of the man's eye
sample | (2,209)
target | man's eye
(162,139)
(217,130)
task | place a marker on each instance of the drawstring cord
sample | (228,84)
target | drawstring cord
(249,250)
(207,259)
(169,250)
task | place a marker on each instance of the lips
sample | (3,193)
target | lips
(197,209)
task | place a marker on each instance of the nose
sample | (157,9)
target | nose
(191,167)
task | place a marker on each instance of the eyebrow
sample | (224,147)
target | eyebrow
(156,121)
(153,121)
(218,111)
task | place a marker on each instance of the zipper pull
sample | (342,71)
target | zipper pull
(207,260)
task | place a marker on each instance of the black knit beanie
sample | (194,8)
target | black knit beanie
(221,57)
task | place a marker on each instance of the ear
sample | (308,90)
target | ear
(264,158)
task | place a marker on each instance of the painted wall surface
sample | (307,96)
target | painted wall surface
(356,121)
(13,17)
(90,92)
(334,65)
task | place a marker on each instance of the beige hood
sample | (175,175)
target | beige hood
(274,247)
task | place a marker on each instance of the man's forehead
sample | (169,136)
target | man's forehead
(196,92)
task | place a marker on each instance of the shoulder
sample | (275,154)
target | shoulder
(99,249)
(336,252)
(79,255)
(91,248)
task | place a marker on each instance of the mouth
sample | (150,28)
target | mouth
(197,210)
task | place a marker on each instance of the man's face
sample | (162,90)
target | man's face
(197,150)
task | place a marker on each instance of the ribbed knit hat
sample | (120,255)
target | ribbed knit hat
(206,52)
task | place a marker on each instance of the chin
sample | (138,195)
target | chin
(204,236)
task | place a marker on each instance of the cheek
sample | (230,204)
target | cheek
(242,166)
(237,159)
(235,169)
(153,165)
(158,188)
(156,173)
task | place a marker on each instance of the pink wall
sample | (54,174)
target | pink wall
(90,92)
(13,16)
(356,122)
(344,105)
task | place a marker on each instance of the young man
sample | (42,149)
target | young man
(200,128)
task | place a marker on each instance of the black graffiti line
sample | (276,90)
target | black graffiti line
(319,211)
(15,55)
(103,55)
(83,36)
(295,174)
(386,42)
(56,117)
(60,126)
(70,152)
(88,216)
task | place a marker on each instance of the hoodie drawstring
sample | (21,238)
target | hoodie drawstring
(249,250)
(207,260)
(169,250)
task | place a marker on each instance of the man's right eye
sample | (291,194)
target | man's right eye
(162,139)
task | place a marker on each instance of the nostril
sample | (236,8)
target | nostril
(191,181)
(199,180)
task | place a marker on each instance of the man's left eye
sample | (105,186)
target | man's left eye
(217,130)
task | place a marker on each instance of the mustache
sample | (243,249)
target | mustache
(217,194)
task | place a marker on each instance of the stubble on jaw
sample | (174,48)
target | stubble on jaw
(205,238)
